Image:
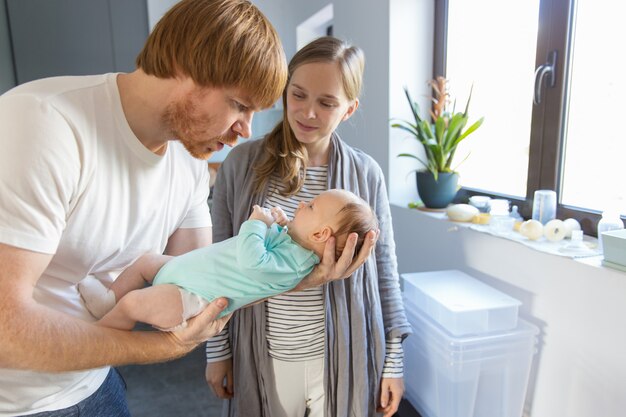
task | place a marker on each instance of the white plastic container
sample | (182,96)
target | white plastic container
(471,376)
(460,303)
(614,248)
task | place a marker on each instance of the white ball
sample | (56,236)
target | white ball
(555,230)
(570,226)
(532,229)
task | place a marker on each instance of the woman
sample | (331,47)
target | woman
(333,350)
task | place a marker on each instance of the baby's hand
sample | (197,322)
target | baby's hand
(263,214)
(279,216)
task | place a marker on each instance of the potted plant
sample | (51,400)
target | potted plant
(439,134)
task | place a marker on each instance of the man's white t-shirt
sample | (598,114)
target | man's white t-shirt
(77,183)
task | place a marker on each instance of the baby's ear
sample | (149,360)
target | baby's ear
(322,235)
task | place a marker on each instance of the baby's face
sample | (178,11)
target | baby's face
(312,216)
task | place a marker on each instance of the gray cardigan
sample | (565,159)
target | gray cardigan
(361,311)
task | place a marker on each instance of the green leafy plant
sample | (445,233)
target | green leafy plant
(440,135)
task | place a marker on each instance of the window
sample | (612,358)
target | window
(548,78)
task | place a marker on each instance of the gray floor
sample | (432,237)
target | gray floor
(172,389)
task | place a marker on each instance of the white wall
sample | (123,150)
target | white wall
(411,29)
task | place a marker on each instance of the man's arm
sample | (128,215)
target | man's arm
(185,240)
(39,338)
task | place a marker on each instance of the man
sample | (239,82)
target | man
(98,170)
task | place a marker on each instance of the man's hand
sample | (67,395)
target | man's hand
(263,214)
(203,326)
(329,270)
(219,377)
(391,390)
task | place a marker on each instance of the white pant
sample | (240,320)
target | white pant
(300,387)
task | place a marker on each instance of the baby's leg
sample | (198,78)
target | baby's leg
(99,299)
(142,271)
(159,305)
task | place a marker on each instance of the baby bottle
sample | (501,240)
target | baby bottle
(610,221)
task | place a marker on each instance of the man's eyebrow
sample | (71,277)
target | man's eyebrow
(246,101)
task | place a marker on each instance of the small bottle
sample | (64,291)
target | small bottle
(610,221)
(515,214)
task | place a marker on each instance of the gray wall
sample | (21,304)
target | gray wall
(70,37)
(7,75)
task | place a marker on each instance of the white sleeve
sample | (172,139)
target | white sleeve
(199,214)
(40,169)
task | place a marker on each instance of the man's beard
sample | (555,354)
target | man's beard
(181,120)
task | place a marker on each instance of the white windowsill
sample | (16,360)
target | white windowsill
(542,245)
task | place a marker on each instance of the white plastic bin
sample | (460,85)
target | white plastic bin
(469,376)
(460,303)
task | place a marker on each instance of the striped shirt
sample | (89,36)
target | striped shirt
(295,324)
(295,327)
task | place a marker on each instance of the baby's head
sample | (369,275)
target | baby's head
(332,213)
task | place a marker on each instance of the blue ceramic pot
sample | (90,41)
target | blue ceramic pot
(437,193)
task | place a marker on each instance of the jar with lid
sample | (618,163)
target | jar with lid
(610,220)
(500,221)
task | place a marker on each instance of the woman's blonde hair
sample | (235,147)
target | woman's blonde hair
(284,155)
(218,43)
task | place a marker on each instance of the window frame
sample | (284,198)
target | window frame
(547,135)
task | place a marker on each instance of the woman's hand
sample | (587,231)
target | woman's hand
(391,390)
(331,270)
(219,377)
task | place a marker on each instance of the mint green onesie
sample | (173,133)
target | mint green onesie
(259,262)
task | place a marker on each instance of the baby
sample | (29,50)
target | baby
(269,256)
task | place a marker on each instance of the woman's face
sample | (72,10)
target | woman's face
(316,102)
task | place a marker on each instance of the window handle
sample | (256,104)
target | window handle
(543,73)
